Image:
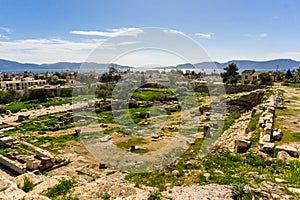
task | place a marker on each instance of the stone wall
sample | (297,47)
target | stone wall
(245,102)
(11,164)
(228,89)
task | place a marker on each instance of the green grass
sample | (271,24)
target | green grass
(233,166)
(151,95)
(230,120)
(17,106)
(55,142)
(3,152)
(252,126)
(106,117)
(294,85)
(27,185)
(62,188)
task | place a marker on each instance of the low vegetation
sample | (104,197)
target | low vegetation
(61,189)
(27,184)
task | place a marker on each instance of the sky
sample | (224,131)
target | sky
(47,31)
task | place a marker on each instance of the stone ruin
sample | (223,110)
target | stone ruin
(40,160)
(266,121)
(269,134)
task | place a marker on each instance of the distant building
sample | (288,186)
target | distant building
(21,84)
(251,77)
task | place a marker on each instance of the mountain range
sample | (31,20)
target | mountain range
(270,65)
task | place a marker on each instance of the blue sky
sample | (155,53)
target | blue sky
(44,31)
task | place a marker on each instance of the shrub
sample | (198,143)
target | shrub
(62,188)
(154,196)
(27,185)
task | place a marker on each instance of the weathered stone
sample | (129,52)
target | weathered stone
(289,149)
(294,190)
(265,138)
(206,176)
(278,180)
(267,147)
(6,140)
(32,164)
(277,135)
(103,139)
(241,146)
(282,155)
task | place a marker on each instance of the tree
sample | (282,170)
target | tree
(265,78)
(231,75)
(288,74)
(40,94)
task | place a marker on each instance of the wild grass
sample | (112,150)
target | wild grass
(234,168)
(62,188)
(17,106)
(27,184)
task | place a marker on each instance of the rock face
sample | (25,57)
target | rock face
(207,192)
(245,102)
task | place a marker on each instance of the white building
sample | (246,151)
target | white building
(21,84)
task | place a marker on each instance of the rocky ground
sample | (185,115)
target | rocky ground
(95,183)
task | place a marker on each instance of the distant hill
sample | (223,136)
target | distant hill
(271,65)
(12,66)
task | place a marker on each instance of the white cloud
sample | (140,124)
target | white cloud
(257,36)
(205,35)
(54,50)
(111,32)
(4,37)
(5,29)
(173,32)
(263,35)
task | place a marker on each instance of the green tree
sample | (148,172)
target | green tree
(265,78)
(231,75)
(66,92)
(40,94)
(288,74)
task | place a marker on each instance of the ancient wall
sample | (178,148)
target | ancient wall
(245,102)
(11,164)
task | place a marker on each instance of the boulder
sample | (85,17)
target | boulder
(277,135)
(241,146)
(294,190)
(289,149)
(6,140)
(282,155)
(267,147)
(278,180)
(264,139)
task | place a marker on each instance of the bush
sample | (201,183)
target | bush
(62,188)
(27,186)
(154,196)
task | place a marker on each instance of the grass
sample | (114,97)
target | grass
(151,95)
(230,120)
(3,152)
(131,142)
(27,185)
(62,188)
(294,85)
(234,168)
(56,142)
(17,106)
(252,126)
(106,117)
